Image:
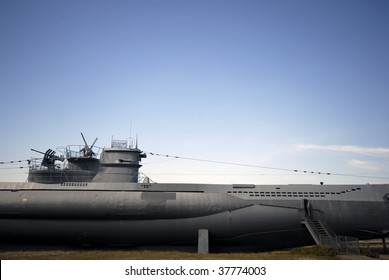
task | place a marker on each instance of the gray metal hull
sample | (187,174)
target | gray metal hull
(132,214)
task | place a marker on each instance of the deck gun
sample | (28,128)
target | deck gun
(49,158)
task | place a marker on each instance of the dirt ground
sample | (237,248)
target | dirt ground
(131,254)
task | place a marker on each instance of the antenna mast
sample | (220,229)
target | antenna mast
(130,130)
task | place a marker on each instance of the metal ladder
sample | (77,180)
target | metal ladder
(319,231)
(323,234)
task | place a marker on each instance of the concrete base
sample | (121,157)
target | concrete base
(203,242)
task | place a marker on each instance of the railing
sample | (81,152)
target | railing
(348,245)
(341,244)
(319,215)
(344,244)
(36,164)
(119,143)
(74,151)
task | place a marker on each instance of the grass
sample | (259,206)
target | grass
(10,252)
(305,253)
(317,251)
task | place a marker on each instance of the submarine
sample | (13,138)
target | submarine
(98,198)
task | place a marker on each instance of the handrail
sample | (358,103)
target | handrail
(342,244)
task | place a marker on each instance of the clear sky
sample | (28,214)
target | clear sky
(287,84)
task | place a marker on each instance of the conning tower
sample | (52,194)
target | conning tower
(120,163)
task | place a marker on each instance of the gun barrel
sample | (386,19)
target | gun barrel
(37,151)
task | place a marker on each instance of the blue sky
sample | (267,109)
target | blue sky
(288,84)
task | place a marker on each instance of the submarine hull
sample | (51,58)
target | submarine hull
(226,229)
(134,214)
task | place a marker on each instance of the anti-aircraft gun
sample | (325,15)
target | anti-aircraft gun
(49,159)
(85,161)
(81,165)
(88,151)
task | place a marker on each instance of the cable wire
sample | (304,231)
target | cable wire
(15,161)
(270,168)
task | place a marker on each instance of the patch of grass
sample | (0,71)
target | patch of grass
(315,251)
